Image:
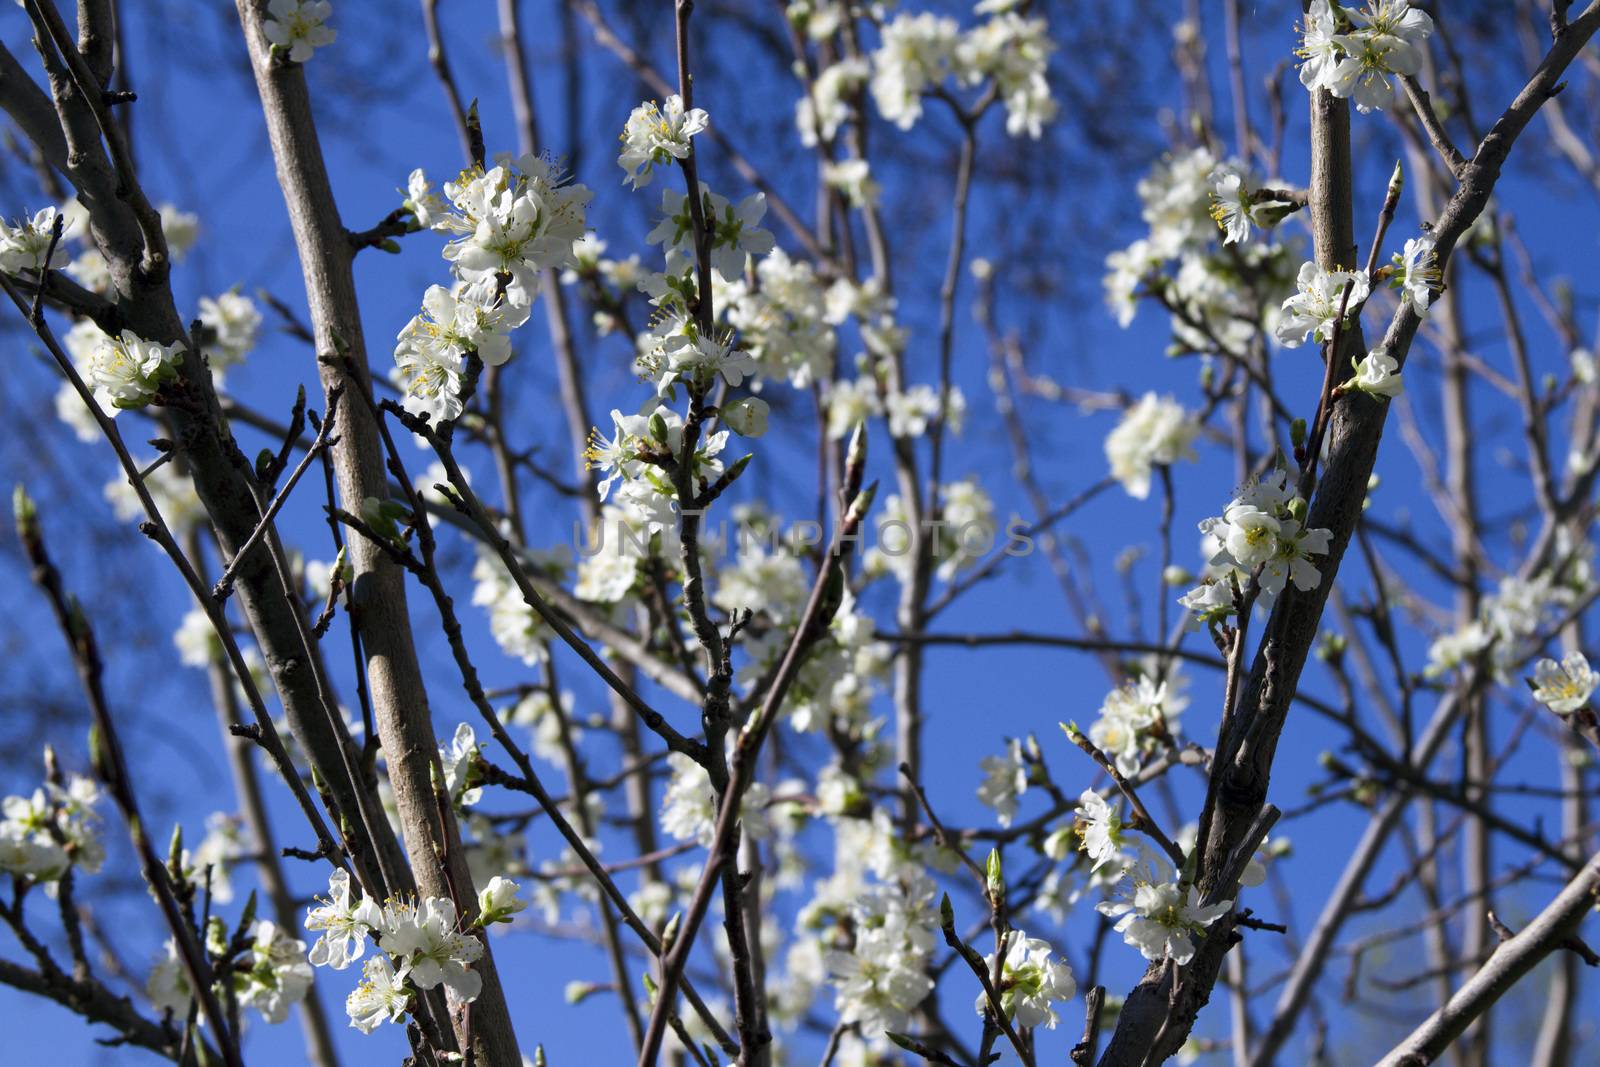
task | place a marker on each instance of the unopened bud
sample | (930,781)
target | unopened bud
(670,933)
(857,452)
(578,992)
(25,512)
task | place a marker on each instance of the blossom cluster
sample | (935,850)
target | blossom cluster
(124,371)
(837,682)
(1511,620)
(1138,718)
(515,626)
(1155,432)
(1215,297)
(1160,915)
(885,931)
(1353,52)
(1157,911)
(508,223)
(689,811)
(424,945)
(918,53)
(631,461)
(1032,982)
(270,976)
(51,831)
(1259,540)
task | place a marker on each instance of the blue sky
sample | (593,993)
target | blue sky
(203,147)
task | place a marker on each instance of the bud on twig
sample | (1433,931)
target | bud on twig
(26,513)
(670,934)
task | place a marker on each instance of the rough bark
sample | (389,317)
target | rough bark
(1355,431)
(394,677)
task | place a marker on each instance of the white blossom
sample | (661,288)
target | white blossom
(1319,49)
(458,758)
(344,922)
(167,985)
(53,829)
(430,376)
(1135,718)
(424,202)
(851,401)
(1154,432)
(1161,918)
(819,115)
(781,319)
(426,938)
(1099,828)
(689,807)
(466,319)
(1031,982)
(126,371)
(196,640)
(734,230)
(23,244)
(915,55)
(1417,273)
(498,901)
(274,975)
(853,178)
(1259,535)
(297,26)
(1456,649)
(1387,37)
(1315,308)
(883,979)
(1230,205)
(1564,687)
(1377,374)
(1005,779)
(1015,53)
(657,133)
(382,994)
(179,228)
(515,219)
(233,321)
(1126,270)
(746,416)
